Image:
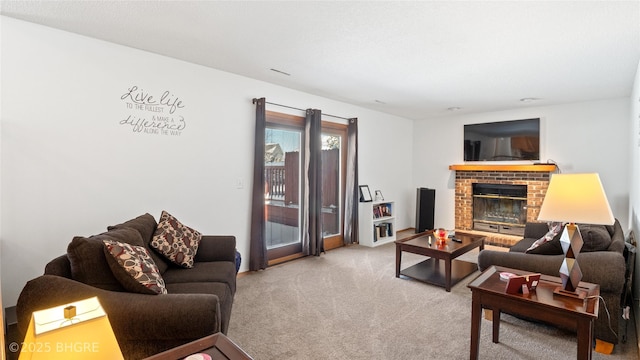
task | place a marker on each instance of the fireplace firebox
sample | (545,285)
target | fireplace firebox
(500,208)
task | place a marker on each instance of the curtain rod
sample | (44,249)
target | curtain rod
(303,110)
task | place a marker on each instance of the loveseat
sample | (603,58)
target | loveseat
(196,300)
(601,261)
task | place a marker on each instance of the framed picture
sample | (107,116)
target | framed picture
(522,284)
(379,196)
(365,194)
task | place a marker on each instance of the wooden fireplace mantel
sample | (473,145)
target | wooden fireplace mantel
(528,168)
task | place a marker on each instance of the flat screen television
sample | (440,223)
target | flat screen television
(512,140)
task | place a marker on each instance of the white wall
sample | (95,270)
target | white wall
(68,167)
(385,160)
(579,137)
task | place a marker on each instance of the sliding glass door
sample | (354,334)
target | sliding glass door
(333,183)
(283,146)
(284,151)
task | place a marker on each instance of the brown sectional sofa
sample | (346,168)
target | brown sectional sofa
(601,260)
(198,300)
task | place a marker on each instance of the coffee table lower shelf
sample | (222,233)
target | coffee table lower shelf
(432,271)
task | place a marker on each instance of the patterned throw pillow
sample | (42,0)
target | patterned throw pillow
(554,229)
(177,242)
(140,272)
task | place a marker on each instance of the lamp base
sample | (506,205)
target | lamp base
(578,294)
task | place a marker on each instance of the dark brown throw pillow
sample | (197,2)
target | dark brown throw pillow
(552,247)
(146,225)
(595,237)
(89,263)
(549,244)
(134,268)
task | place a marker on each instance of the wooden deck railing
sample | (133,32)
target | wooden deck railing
(281,181)
(274,182)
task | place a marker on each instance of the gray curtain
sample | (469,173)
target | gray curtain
(352,197)
(312,241)
(257,246)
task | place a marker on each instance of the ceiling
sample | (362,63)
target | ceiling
(412,59)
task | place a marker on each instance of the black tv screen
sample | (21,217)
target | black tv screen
(512,140)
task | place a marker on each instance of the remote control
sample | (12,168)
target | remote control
(456,240)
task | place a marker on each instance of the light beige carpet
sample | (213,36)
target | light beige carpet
(348,304)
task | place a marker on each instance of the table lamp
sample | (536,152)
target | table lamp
(571,199)
(80,330)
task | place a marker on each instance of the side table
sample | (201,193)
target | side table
(218,346)
(488,292)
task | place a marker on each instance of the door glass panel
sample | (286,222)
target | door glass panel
(282,187)
(331,209)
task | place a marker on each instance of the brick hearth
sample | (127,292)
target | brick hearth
(537,182)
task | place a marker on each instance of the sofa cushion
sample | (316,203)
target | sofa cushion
(89,263)
(146,225)
(202,272)
(552,247)
(134,268)
(595,237)
(176,241)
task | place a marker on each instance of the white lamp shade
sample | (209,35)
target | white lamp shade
(576,198)
(87,335)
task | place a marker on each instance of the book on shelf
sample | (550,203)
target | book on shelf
(381,210)
(386,210)
(382,230)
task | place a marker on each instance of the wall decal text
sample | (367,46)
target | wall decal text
(153,114)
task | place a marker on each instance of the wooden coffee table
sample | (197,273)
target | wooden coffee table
(440,269)
(488,292)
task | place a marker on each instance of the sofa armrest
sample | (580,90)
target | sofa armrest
(617,239)
(133,317)
(606,268)
(216,248)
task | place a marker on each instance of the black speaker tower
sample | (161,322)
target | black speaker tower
(425,203)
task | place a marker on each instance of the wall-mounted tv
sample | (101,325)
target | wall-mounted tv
(512,140)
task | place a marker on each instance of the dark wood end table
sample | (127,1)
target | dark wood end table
(218,346)
(440,269)
(488,291)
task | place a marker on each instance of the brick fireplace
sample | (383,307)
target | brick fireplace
(535,177)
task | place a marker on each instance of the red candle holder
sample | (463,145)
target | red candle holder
(441,236)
